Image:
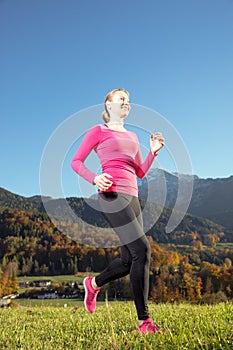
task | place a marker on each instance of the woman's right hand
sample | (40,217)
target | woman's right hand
(102,181)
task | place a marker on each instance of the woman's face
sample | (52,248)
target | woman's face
(120,104)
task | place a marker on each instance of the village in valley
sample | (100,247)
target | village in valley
(45,289)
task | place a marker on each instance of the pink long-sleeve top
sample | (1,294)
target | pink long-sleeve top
(119,155)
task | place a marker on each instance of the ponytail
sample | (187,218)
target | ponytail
(105,116)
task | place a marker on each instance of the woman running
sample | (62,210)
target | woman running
(119,153)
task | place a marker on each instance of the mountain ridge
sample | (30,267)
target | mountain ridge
(211,198)
(85,212)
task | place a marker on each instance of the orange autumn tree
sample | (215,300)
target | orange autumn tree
(8,279)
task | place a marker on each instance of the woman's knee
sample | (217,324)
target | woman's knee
(140,249)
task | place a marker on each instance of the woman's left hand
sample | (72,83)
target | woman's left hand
(156,142)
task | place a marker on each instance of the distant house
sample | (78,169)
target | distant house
(73,284)
(35,283)
(42,283)
(50,294)
(40,294)
(24,284)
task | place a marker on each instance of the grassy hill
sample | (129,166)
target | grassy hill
(113,326)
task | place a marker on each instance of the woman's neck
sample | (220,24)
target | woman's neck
(116,125)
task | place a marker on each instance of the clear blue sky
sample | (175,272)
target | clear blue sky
(61,56)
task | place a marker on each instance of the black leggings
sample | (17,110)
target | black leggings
(123,212)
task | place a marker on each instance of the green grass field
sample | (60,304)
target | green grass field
(55,279)
(49,325)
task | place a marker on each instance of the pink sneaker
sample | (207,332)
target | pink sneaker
(148,327)
(90,295)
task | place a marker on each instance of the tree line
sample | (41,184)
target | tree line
(193,267)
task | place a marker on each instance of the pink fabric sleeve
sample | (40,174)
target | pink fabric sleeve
(90,141)
(142,168)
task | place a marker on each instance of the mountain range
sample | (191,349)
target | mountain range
(211,198)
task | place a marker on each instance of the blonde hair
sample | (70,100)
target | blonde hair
(109,96)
